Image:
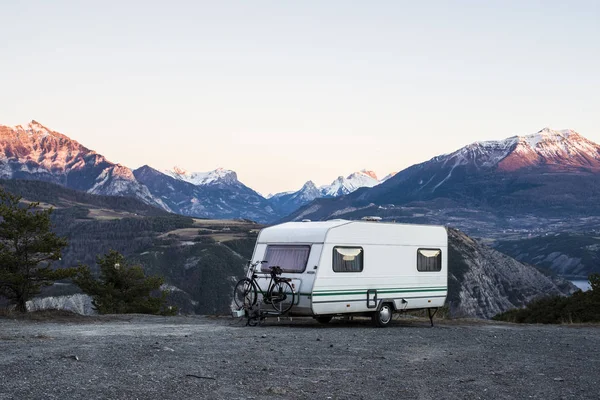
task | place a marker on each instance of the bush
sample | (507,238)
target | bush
(122,288)
(580,307)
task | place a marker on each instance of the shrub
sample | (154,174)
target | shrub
(122,288)
(580,307)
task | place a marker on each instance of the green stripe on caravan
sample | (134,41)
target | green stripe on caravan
(364,291)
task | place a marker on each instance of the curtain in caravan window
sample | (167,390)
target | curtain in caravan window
(429,260)
(347,259)
(289,258)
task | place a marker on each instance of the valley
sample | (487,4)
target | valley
(531,197)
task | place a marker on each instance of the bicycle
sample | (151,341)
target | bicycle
(279,293)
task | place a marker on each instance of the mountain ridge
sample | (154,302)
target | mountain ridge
(33,151)
(522,186)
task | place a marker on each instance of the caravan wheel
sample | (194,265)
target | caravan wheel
(383,317)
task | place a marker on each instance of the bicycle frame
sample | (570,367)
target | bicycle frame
(253,276)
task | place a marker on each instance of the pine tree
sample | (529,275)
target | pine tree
(27,248)
(122,288)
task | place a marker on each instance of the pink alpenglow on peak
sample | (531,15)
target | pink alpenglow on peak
(554,149)
(546,148)
(349,184)
(32,151)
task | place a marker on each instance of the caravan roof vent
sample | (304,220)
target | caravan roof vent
(373,219)
(306,220)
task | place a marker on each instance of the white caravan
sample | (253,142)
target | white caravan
(341,267)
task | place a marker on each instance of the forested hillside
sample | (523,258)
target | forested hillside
(199,259)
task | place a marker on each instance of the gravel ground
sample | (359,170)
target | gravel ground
(144,357)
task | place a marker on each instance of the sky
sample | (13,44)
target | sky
(287,91)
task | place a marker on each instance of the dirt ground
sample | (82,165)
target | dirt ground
(145,357)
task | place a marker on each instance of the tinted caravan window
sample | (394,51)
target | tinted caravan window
(347,259)
(429,260)
(291,258)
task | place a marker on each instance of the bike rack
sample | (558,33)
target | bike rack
(256,314)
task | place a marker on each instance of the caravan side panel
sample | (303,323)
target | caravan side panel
(389,270)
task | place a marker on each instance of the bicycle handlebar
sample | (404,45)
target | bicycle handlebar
(275,269)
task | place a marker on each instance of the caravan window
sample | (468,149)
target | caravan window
(289,258)
(347,259)
(429,260)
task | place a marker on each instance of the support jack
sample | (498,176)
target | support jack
(435,310)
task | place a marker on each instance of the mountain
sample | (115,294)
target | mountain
(202,259)
(214,195)
(342,186)
(494,172)
(550,173)
(219,176)
(288,202)
(511,189)
(35,152)
(483,282)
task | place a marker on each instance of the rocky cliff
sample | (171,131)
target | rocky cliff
(483,282)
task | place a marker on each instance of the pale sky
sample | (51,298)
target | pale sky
(287,91)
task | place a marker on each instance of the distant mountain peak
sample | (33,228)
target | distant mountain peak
(179,171)
(219,175)
(371,174)
(309,185)
(32,151)
(553,148)
(547,147)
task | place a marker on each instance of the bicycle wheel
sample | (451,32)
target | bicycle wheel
(282,296)
(244,294)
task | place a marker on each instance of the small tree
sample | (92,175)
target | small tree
(122,288)
(594,280)
(27,248)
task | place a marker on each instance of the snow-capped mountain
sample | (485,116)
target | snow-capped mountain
(218,176)
(342,186)
(548,148)
(538,178)
(32,151)
(287,202)
(212,198)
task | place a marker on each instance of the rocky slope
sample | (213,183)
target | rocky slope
(484,282)
(576,255)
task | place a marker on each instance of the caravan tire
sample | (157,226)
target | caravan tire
(325,319)
(383,317)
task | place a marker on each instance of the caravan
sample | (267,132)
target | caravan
(342,267)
